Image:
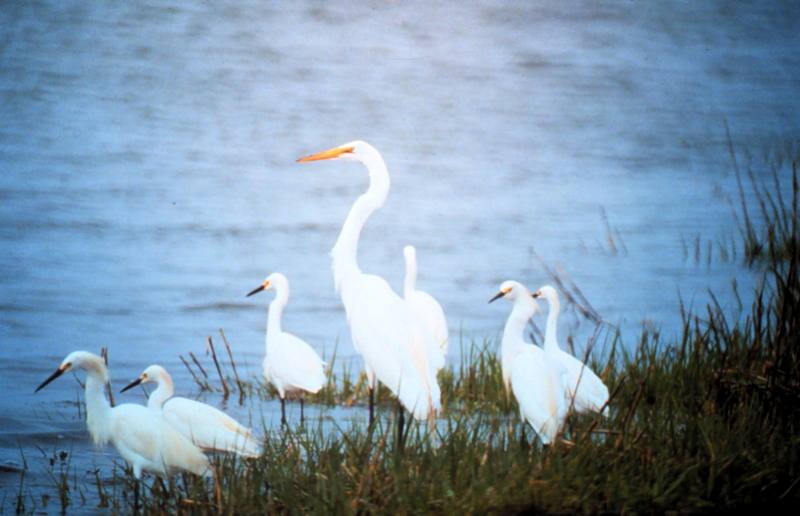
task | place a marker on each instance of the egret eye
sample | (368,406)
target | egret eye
(144,376)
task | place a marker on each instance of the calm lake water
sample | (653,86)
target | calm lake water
(148,177)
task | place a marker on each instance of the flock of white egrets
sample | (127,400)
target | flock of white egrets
(403,341)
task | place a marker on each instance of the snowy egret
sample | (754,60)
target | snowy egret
(143,437)
(585,390)
(290,363)
(384,327)
(204,425)
(534,374)
(428,310)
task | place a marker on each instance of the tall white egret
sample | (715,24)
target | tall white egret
(290,363)
(428,310)
(143,437)
(534,374)
(384,327)
(204,425)
(582,384)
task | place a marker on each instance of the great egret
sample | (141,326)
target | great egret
(384,327)
(290,363)
(143,437)
(534,374)
(585,390)
(428,310)
(204,425)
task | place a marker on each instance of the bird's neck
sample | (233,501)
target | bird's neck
(345,252)
(513,334)
(98,410)
(276,312)
(163,392)
(550,334)
(410,283)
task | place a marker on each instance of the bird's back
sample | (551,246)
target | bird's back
(430,313)
(387,333)
(294,363)
(591,393)
(209,427)
(148,442)
(536,384)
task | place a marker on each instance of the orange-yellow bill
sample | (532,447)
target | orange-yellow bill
(328,154)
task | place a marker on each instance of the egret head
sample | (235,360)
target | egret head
(276,281)
(78,360)
(352,151)
(547,292)
(154,373)
(511,290)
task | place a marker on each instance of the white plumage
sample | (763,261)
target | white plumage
(142,437)
(385,329)
(204,425)
(588,390)
(290,364)
(387,334)
(534,375)
(427,309)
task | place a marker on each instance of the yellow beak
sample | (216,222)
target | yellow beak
(328,154)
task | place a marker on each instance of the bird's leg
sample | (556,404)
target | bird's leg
(400,425)
(283,411)
(371,405)
(136,496)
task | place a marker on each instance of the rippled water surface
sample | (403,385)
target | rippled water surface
(148,176)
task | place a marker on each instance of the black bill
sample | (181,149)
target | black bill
(255,290)
(50,378)
(131,385)
(497,296)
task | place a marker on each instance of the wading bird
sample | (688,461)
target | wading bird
(428,310)
(583,388)
(384,327)
(534,374)
(290,363)
(143,437)
(207,427)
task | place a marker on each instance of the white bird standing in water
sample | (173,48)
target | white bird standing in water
(384,327)
(534,374)
(290,363)
(144,438)
(204,425)
(428,310)
(581,383)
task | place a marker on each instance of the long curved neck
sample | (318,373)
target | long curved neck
(410,282)
(345,252)
(513,334)
(550,334)
(163,392)
(98,410)
(276,311)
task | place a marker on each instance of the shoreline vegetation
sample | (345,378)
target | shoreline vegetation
(706,421)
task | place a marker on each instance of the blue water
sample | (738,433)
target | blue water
(148,177)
